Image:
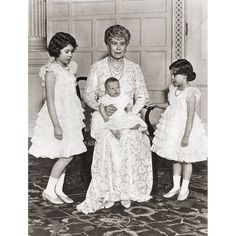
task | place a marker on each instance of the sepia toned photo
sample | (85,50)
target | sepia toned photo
(117,117)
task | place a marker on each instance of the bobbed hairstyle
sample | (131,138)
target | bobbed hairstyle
(183,67)
(59,41)
(118,31)
(110,79)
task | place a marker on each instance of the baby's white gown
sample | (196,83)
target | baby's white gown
(120,119)
(69,113)
(171,126)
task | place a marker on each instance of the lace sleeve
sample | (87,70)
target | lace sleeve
(141,95)
(90,95)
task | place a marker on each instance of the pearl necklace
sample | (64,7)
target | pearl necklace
(180,91)
(116,72)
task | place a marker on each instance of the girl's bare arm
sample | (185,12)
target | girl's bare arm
(50,92)
(191,107)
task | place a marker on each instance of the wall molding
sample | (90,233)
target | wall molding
(178,29)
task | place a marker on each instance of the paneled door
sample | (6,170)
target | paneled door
(196,48)
(149,22)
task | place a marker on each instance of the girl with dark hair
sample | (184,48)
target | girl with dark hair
(58,130)
(180,135)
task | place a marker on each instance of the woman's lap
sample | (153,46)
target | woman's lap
(120,170)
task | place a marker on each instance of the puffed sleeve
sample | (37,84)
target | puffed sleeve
(171,87)
(141,95)
(48,67)
(193,91)
(73,67)
(42,74)
(91,89)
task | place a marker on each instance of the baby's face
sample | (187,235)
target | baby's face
(113,89)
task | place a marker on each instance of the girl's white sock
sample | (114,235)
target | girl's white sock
(184,187)
(176,182)
(51,185)
(59,185)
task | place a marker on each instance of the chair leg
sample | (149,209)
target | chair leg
(86,162)
(154,169)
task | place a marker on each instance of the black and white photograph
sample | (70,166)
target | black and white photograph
(117,124)
(117,117)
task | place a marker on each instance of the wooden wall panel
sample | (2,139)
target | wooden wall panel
(36,60)
(141,6)
(82,31)
(196,48)
(93,7)
(134,56)
(134,26)
(100,26)
(58,26)
(83,58)
(59,9)
(156,70)
(155,31)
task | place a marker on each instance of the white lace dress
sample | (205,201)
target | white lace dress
(121,170)
(70,116)
(171,126)
(120,119)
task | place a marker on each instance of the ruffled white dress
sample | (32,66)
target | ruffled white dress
(69,113)
(171,126)
(121,169)
(120,119)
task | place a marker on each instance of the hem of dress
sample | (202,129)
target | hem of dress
(37,155)
(177,160)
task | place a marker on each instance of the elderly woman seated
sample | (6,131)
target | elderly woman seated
(121,169)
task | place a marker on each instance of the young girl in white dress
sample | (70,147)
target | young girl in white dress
(58,130)
(180,135)
(123,118)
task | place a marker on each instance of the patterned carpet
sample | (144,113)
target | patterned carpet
(156,217)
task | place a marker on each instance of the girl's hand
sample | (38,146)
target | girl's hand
(110,109)
(184,141)
(58,133)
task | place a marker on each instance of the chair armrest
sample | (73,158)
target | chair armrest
(78,79)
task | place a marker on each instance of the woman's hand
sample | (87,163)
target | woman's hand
(83,104)
(135,127)
(151,104)
(184,141)
(110,109)
(58,133)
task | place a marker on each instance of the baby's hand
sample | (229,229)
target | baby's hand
(110,109)
(118,134)
(128,108)
(106,119)
(184,141)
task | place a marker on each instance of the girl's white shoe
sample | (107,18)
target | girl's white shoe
(52,199)
(109,204)
(66,199)
(183,197)
(126,203)
(171,193)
